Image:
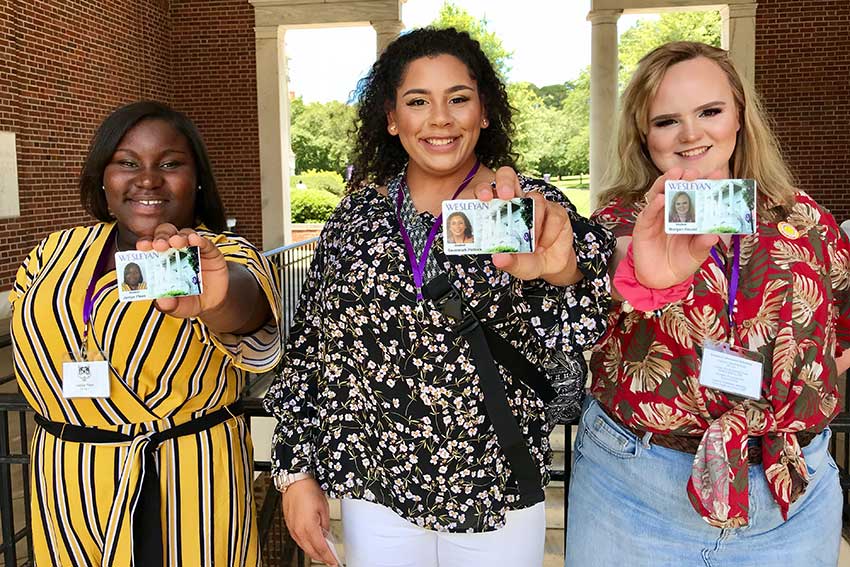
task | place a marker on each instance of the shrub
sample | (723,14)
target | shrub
(312,205)
(326,180)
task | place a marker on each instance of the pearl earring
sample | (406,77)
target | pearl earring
(485,123)
(393,128)
(199,188)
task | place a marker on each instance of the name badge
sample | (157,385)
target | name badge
(85,379)
(731,369)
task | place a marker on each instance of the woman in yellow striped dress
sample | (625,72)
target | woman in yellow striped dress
(156,470)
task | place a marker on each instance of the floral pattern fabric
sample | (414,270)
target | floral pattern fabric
(379,397)
(792,306)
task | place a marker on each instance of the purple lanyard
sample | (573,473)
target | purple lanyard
(733,281)
(417,265)
(88,304)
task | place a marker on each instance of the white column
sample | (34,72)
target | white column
(738,36)
(603,92)
(386,31)
(273,114)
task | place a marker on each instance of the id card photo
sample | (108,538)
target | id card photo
(471,226)
(710,206)
(151,275)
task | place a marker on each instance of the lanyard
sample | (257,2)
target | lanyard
(733,281)
(417,265)
(88,304)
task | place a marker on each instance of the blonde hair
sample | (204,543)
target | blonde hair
(631,171)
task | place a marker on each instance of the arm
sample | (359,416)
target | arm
(292,400)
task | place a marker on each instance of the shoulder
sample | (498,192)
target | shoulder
(71,240)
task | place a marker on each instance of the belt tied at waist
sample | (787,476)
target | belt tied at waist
(138,495)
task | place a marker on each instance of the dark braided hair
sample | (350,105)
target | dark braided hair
(379,156)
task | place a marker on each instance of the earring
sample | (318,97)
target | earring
(393,128)
(199,188)
(485,123)
(103,188)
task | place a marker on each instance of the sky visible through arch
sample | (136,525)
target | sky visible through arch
(550,40)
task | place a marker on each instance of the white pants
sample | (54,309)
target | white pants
(375,536)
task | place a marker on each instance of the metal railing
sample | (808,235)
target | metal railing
(292,263)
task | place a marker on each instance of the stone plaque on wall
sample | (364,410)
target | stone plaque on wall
(9,204)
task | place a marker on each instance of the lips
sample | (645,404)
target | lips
(439,142)
(147,204)
(694,152)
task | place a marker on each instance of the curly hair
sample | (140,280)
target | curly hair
(378,156)
(209,208)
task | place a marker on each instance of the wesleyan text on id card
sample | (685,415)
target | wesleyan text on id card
(471,226)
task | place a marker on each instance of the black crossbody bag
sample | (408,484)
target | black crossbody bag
(487,348)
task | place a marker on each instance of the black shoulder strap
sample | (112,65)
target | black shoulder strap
(508,433)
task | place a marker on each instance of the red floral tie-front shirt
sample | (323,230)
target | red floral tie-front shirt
(792,306)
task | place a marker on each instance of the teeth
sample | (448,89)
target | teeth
(150,203)
(440,141)
(694,152)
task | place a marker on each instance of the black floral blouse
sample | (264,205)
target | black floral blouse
(379,398)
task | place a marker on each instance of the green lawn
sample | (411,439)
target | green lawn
(575,187)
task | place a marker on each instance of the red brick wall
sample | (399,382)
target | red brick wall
(214,53)
(64,64)
(803,74)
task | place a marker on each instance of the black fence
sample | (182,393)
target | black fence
(292,262)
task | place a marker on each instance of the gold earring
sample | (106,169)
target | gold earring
(393,128)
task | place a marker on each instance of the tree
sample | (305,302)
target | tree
(452,16)
(646,35)
(321,135)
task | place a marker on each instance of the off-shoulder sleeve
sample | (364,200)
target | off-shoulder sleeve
(571,318)
(292,396)
(261,350)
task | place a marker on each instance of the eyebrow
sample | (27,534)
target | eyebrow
(453,89)
(697,109)
(166,151)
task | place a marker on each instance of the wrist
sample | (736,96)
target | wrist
(640,296)
(569,275)
(283,480)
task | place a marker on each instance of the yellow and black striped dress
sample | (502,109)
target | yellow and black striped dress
(164,371)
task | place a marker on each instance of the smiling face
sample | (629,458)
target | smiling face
(151,180)
(132,275)
(683,205)
(437,115)
(693,119)
(457,226)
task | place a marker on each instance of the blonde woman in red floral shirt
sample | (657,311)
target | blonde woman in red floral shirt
(706,441)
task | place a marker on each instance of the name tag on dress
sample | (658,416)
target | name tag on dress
(731,369)
(86,379)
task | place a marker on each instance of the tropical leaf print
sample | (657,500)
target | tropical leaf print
(785,254)
(675,324)
(759,329)
(840,263)
(664,418)
(705,324)
(648,373)
(807,299)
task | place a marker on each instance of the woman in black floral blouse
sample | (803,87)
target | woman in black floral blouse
(379,403)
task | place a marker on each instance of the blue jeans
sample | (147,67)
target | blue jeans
(628,507)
